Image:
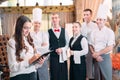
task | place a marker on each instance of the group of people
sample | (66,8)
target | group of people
(89,49)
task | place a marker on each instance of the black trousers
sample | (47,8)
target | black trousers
(58,71)
(30,76)
(78,71)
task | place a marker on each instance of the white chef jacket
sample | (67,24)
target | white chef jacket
(38,39)
(100,39)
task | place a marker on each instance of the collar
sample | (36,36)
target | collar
(103,28)
(75,37)
(88,23)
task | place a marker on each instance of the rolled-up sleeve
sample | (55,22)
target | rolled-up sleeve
(111,38)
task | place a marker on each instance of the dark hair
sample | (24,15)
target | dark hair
(18,36)
(88,10)
(77,23)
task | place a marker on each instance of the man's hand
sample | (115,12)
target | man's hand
(95,55)
(58,51)
(99,59)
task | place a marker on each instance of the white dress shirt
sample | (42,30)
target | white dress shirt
(100,39)
(22,67)
(87,28)
(84,51)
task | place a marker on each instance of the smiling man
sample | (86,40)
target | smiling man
(101,44)
(87,27)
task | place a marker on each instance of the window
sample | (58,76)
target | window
(33,2)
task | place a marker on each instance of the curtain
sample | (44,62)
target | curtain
(92,4)
(80,5)
(65,17)
(8,22)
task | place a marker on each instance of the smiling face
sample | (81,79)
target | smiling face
(87,16)
(36,25)
(26,28)
(76,28)
(100,22)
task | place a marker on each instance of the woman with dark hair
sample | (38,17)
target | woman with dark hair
(20,51)
(78,49)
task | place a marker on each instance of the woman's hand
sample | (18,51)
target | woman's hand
(36,56)
(41,60)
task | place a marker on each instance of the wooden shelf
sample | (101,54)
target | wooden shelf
(28,9)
